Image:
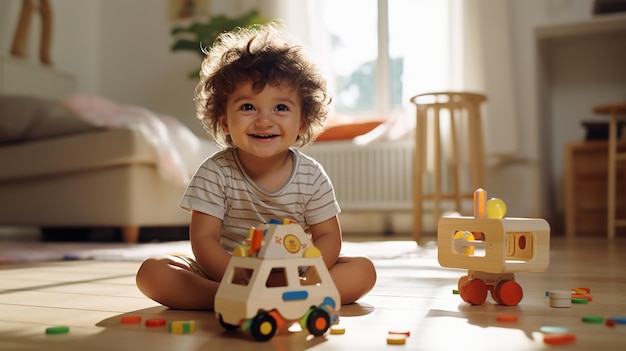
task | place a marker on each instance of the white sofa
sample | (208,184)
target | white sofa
(68,173)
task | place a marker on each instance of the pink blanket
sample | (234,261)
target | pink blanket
(179,151)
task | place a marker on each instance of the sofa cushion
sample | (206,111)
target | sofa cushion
(75,153)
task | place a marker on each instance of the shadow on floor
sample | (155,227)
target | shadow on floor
(108,234)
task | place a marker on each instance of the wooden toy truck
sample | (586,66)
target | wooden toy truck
(276,277)
(492,250)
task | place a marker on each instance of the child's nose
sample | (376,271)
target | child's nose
(264,118)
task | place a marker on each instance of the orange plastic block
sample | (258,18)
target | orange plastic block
(559,339)
(506,318)
(401,332)
(581,296)
(131,319)
(155,322)
(257,240)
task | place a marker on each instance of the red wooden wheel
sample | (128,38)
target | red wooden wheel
(508,293)
(474,291)
(462,281)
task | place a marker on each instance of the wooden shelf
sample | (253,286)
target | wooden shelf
(586,179)
(599,24)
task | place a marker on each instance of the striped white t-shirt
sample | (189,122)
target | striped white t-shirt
(221,188)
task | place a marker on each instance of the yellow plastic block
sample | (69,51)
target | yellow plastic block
(182,327)
(396,339)
(337,329)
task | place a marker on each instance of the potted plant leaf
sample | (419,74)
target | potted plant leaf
(201,34)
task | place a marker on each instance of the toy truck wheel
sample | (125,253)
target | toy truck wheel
(474,291)
(226,325)
(508,293)
(263,327)
(318,322)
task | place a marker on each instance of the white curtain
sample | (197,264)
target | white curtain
(462,45)
(472,52)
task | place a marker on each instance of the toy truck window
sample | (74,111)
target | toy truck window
(241,276)
(309,276)
(277,278)
(469,243)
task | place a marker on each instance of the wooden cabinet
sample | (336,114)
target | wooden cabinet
(586,165)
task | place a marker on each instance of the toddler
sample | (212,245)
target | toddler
(261,98)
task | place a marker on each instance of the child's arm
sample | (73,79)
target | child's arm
(326,236)
(205,232)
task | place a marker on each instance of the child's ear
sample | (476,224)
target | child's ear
(224,124)
(304,125)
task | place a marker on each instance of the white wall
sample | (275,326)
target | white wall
(575,74)
(526,15)
(120,49)
(136,65)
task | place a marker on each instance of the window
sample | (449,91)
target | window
(380,53)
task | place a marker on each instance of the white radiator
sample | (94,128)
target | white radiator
(376,176)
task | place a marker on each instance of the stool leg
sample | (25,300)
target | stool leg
(436,166)
(454,161)
(611,176)
(418,173)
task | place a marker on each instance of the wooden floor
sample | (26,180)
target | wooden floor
(412,294)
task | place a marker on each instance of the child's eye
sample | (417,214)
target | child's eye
(282,108)
(247,107)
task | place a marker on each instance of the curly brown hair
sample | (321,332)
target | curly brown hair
(263,54)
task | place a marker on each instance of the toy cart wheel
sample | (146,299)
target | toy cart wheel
(318,322)
(263,327)
(226,325)
(496,298)
(509,293)
(462,281)
(474,291)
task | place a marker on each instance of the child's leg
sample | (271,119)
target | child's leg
(171,281)
(354,277)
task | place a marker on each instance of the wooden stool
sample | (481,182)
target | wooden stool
(614,110)
(461,111)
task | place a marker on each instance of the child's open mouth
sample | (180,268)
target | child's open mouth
(264,136)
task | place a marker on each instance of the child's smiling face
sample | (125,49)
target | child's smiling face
(263,123)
